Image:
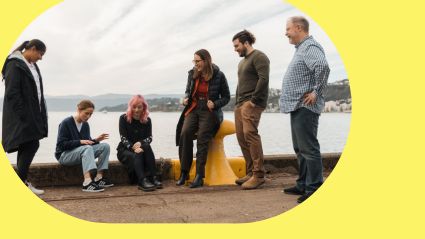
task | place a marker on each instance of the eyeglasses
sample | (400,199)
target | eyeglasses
(196,61)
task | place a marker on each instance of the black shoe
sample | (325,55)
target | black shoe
(92,187)
(293,191)
(154,180)
(197,182)
(104,183)
(146,186)
(304,197)
(182,180)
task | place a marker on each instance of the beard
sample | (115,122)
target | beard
(243,52)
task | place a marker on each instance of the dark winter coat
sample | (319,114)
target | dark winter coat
(218,93)
(133,132)
(24,117)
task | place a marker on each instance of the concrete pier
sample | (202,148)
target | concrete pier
(53,174)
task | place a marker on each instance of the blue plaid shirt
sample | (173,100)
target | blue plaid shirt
(307,72)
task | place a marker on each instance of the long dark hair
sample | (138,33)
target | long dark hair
(207,71)
(39,45)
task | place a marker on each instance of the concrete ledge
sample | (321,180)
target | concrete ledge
(54,174)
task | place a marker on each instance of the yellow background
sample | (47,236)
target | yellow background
(376,191)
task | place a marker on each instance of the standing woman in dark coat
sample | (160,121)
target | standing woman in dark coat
(207,92)
(24,107)
(134,149)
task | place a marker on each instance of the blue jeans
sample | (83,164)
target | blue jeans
(86,155)
(304,124)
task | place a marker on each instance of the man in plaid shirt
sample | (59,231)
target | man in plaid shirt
(302,97)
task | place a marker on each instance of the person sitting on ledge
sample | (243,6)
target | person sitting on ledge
(75,146)
(207,91)
(134,150)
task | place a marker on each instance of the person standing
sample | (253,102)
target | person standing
(302,96)
(134,150)
(206,93)
(24,106)
(251,100)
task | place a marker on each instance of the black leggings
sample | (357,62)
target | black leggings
(138,164)
(26,153)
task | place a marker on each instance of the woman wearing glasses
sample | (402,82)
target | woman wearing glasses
(206,93)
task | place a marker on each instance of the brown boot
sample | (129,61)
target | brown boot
(253,183)
(240,181)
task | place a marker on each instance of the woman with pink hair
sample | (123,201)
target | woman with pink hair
(134,150)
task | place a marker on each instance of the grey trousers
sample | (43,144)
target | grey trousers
(86,155)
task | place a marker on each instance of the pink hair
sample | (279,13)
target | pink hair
(135,100)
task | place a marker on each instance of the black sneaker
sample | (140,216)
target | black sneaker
(304,197)
(293,191)
(92,187)
(104,183)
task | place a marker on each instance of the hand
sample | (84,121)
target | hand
(186,101)
(210,105)
(251,104)
(102,137)
(309,98)
(136,146)
(138,150)
(86,142)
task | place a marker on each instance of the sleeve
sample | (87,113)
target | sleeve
(189,81)
(148,139)
(262,66)
(13,88)
(316,62)
(124,133)
(65,141)
(224,92)
(89,134)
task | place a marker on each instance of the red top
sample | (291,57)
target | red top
(200,91)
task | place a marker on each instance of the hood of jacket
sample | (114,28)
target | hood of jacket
(15,56)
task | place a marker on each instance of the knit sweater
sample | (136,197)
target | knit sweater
(68,136)
(253,75)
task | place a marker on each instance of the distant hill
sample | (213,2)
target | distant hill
(69,102)
(335,91)
(339,90)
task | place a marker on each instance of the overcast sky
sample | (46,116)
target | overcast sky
(146,46)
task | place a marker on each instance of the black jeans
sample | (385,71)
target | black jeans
(201,122)
(138,164)
(26,153)
(304,125)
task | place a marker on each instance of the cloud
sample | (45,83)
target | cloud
(131,46)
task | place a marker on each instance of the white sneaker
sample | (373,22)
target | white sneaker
(34,190)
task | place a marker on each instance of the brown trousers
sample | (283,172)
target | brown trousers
(247,119)
(202,123)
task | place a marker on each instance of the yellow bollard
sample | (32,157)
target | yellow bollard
(218,170)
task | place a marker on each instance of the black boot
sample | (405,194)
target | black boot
(197,182)
(146,186)
(182,180)
(154,180)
